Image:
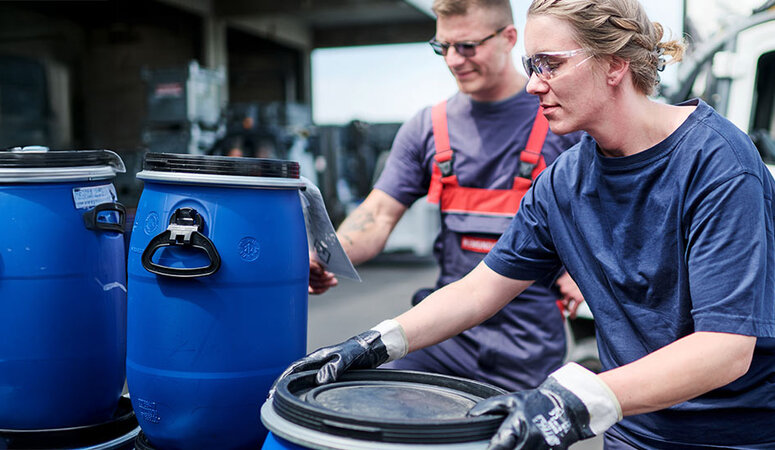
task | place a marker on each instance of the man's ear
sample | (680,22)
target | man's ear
(510,33)
(617,69)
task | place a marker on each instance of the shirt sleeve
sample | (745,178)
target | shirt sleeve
(406,176)
(525,251)
(729,258)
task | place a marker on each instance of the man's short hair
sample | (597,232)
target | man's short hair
(500,8)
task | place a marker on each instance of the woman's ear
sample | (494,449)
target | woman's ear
(617,69)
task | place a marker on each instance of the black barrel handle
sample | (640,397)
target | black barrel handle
(184,231)
(90,217)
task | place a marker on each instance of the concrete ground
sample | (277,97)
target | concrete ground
(353,307)
(387,286)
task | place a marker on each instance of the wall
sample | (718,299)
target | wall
(97,52)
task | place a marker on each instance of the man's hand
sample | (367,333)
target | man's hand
(319,279)
(570,295)
(372,348)
(571,405)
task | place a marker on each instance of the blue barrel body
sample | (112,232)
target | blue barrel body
(203,351)
(273,442)
(62,309)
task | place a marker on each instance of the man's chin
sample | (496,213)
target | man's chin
(468,88)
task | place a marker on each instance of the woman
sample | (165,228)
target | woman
(663,215)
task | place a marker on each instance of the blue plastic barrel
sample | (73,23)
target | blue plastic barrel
(218,274)
(273,442)
(62,289)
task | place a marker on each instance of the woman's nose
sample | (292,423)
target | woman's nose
(536,85)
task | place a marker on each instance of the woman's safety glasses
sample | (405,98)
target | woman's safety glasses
(465,49)
(545,65)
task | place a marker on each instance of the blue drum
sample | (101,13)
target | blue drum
(218,274)
(62,289)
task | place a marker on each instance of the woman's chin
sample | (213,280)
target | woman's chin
(560,127)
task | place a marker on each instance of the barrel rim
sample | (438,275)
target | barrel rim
(220,180)
(314,439)
(288,404)
(54,175)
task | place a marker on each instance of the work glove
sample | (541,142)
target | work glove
(571,405)
(372,348)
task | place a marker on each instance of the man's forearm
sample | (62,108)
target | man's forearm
(360,236)
(365,231)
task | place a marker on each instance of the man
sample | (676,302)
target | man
(475,154)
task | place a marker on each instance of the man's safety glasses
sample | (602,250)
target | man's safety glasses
(545,65)
(465,49)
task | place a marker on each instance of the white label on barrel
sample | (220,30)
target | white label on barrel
(90,196)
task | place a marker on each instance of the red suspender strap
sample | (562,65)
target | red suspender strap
(443,149)
(530,161)
(538,134)
(499,202)
(440,131)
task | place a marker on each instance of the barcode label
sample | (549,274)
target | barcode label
(89,197)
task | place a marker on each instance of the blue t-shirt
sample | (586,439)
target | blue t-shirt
(675,239)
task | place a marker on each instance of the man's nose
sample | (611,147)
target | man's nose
(453,58)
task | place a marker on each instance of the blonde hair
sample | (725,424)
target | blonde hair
(500,9)
(620,28)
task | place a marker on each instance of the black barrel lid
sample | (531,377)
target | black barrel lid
(220,165)
(382,405)
(39,165)
(41,157)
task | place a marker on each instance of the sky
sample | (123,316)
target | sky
(389,83)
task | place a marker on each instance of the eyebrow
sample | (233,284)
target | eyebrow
(445,41)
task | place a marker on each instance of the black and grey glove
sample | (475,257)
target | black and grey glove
(571,405)
(372,348)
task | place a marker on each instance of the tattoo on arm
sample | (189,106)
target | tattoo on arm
(359,221)
(363,232)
